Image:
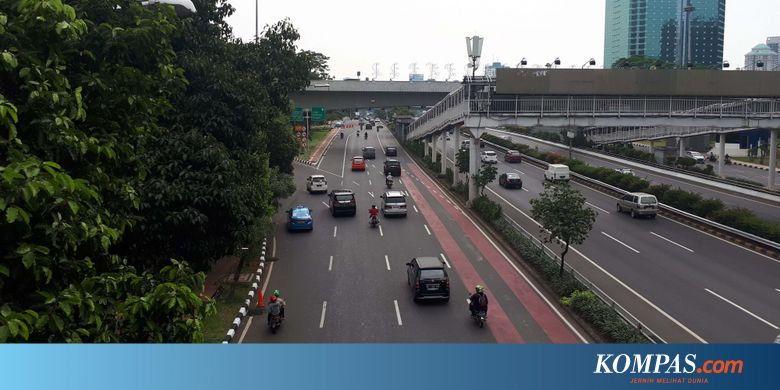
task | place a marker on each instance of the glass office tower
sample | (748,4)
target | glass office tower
(660,29)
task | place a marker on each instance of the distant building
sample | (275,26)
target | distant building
(761,58)
(659,29)
(490,70)
(416,77)
(774,44)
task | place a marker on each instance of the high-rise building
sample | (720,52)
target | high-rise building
(761,58)
(490,69)
(774,45)
(660,29)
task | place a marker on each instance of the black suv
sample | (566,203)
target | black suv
(392,167)
(391,151)
(369,153)
(342,202)
(428,278)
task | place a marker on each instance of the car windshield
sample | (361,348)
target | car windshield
(513,153)
(395,199)
(300,213)
(317,179)
(368,148)
(357,160)
(432,274)
(648,200)
(392,163)
(512,177)
(343,198)
(491,154)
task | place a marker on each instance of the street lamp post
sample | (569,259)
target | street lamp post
(522,63)
(556,62)
(591,62)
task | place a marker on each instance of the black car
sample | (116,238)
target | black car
(392,167)
(369,153)
(510,180)
(391,151)
(369,126)
(342,202)
(428,278)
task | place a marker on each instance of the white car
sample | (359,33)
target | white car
(316,183)
(489,157)
(696,156)
(625,171)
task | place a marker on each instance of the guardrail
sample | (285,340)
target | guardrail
(750,241)
(737,183)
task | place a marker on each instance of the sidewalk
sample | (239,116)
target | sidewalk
(315,156)
(223,267)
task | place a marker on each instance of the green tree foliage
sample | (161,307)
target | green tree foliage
(486,175)
(462,160)
(561,211)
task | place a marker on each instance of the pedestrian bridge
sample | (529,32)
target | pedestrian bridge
(356,94)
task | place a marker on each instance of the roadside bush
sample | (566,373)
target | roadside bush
(680,199)
(745,220)
(659,190)
(745,181)
(685,162)
(603,317)
(630,152)
(707,207)
(486,208)
(707,170)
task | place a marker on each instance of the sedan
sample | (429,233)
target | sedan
(299,218)
(358,163)
(510,180)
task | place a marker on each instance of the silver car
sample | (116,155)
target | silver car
(638,203)
(394,203)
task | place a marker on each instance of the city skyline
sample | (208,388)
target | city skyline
(356,35)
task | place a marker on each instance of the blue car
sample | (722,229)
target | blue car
(299,218)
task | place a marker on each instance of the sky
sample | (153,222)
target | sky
(432,33)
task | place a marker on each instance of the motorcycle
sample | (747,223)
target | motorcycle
(342,135)
(275,322)
(365,135)
(373,221)
(727,161)
(479,316)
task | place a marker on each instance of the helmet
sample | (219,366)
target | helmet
(277,293)
(273,298)
(480,289)
(373,206)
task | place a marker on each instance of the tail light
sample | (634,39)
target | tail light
(447,283)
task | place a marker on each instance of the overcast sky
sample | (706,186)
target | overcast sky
(357,34)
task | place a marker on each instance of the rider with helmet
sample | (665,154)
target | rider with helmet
(478,301)
(373,213)
(276,307)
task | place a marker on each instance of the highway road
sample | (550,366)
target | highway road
(684,284)
(761,207)
(346,282)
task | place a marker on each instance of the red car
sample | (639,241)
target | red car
(512,156)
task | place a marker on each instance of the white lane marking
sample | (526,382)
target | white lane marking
(397,312)
(415,208)
(369,182)
(427,230)
(273,251)
(406,193)
(445,260)
(620,242)
(373,166)
(381,233)
(326,205)
(400,182)
(371,193)
(246,328)
(335,229)
(597,207)
(356,183)
(524,189)
(726,241)
(344,160)
(330,264)
(777,289)
(448,201)
(368,173)
(613,277)
(322,317)
(325,153)
(518,171)
(743,309)
(666,239)
(387,262)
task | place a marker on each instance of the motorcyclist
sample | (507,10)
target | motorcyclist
(365,135)
(373,213)
(341,134)
(727,160)
(389,180)
(276,307)
(478,301)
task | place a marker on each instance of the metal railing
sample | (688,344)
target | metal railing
(448,109)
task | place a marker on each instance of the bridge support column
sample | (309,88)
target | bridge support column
(681,146)
(721,154)
(773,157)
(456,147)
(444,153)
(426,146)
(434,147)
(652,147)
(474,163)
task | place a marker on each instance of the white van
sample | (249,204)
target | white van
(557,172)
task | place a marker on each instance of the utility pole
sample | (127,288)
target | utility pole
(257,22)
(688,9)
(393,71)
(376,70)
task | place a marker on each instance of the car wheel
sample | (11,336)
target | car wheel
(652,216)
(633,214)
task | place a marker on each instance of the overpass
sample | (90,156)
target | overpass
(351,94)
(662,103)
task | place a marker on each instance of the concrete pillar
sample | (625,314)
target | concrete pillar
(425,143)
(652,147)
(456,147)
(721,154)
(434,147)
(444,153)
(773,157)
(474,165)
(681,145)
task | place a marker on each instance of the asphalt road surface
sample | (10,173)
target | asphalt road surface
(683,284)
(761,207)
(346,282)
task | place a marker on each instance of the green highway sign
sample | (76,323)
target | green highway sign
(318,114)
(297,115)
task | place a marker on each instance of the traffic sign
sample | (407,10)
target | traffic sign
(297,115)
(318,114)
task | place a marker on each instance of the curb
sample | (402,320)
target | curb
(244,310)
(302,161)
(749,165)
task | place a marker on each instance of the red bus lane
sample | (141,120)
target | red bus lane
(553,326)
(500,325)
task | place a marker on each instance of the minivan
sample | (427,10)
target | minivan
(392,167)
(557,172)
(394,203)
(638,203)
(428,279)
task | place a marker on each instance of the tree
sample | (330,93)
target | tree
(561,211)
(486,175)
(642,62)
(462,160)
